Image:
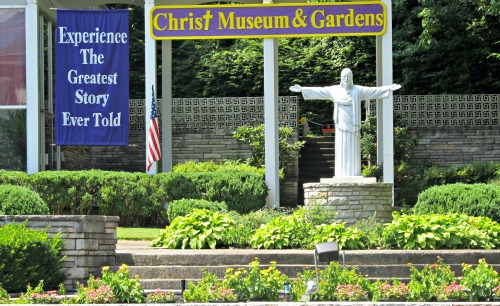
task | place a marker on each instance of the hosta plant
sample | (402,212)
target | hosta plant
(201,229)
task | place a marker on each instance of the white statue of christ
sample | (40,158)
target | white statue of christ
(347,99)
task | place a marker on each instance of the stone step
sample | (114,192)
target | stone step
(160,268)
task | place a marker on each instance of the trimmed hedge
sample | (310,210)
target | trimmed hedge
(28,256)
(19,200)
(183,207)
(138,198)
(480,200)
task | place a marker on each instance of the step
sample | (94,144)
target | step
(162,268)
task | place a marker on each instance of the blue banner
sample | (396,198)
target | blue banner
(92,80)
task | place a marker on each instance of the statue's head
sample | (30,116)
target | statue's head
(346,78)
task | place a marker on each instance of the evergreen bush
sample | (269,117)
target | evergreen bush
(185,206)
(18,200)
(480,200)
(28,256)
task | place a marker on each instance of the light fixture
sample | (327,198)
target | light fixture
(325,252)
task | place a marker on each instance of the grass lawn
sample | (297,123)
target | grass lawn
(137,233)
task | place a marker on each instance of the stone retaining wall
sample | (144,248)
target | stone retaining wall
(89,242)
(352,201)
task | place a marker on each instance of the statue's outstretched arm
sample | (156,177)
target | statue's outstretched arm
(296,88)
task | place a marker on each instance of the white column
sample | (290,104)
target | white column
(387,107)
(150,74)
(33,158)
(166,106)
(271,138)
(379,109)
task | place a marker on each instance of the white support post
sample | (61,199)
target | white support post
(33,158)
(166,106)
(150,74)
(271,138)
(388,127)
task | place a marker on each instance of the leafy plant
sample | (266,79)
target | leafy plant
(256,283)
(426,284)
(4,295)
(350,238)
(95,293)
(414,232)
(209,288)
(282,232)
(183,207)
(198,230)
(452,291)
(329,278)
(480,281)
(254,138)
(126,289)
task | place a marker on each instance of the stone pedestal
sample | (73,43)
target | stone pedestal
(354,198)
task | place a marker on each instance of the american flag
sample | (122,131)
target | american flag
(154,153)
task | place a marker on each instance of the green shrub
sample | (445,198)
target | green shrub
(210,166)
(480,200)
(451,231)
(4,295)
(283,232)
(349,238)
(242,191)
(13,177)
(18,200)
(200,229)
(28,256)
(185,206)
(425,284)
(246,224)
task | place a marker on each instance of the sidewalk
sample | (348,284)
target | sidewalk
(132,245)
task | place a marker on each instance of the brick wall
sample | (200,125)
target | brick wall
(456,146)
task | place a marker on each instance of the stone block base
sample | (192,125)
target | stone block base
(354,198)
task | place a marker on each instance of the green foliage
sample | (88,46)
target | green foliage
(13,177)
(372,230)
(403,143)
(350,238)
(241,191)
(209,288)
(4,295)
(283,232)
(28,256)
(253,136)
(94,293)
(426,284)
(210,166)
(95,191)
(329,279)
(480,200)
(185,206)
(125,288)
(247,224)
(480,281)
(200,229)
(256,283)
(18,200)
(452,231)
(13,140)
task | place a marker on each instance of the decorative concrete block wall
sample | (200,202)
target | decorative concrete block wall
(352,201)
(89,242)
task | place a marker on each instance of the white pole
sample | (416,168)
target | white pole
(33,159)
(150,74)
(271,138)
(166,106)
(388,128)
